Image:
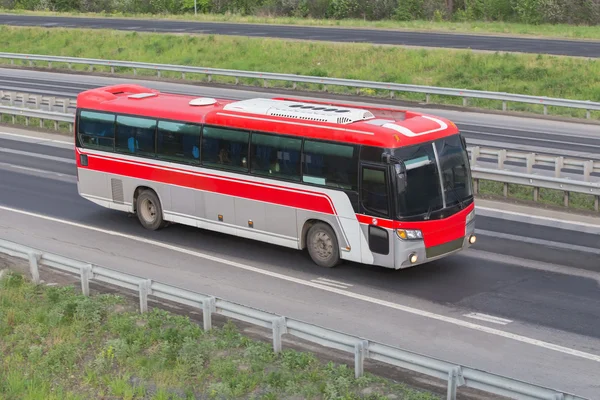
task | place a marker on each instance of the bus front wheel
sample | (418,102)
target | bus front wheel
(323,246)
(149,210)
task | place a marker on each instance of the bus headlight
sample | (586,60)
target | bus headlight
(470,216)
(409,234)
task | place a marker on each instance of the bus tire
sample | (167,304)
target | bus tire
(149,210)
(322,245)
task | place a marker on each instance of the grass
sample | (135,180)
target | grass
(58,344)
(473,27)
(514,73)
(550,197)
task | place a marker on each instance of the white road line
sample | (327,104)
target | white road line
(488,318)
(329,284)
(532,264)
(36,155)
(332,281)
(541,242)
(39,172)
(356,296)
(37,140)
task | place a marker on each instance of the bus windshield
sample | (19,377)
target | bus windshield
(438,177)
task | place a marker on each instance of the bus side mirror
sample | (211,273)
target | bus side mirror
(401,176)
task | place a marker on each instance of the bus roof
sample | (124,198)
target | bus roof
(373,126)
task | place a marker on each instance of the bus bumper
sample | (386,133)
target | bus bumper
(411,253)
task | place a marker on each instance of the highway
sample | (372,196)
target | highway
(578,48)
(548,294)
(508,279)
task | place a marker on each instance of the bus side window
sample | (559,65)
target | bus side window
(330,164)
(276,156)
(97,130)
(225,148)
(136,135)
(178,141)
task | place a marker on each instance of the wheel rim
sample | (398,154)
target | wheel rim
(322,245)
(148,210)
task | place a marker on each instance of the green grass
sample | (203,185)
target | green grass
(58,344)
(473,27)
(513,73)
(550,197)
(58,127)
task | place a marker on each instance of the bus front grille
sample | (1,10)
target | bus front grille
(442,249)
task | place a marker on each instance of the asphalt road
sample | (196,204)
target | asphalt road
(499,277)
(536,135)
(390,37)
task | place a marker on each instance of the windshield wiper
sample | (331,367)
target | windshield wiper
(428,214)
(461,202)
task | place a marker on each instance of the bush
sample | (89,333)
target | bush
(527,11)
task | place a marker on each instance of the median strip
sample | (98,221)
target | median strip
(511,73)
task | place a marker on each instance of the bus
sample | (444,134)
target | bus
(371,185)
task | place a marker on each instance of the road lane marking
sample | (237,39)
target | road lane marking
(540,242)
(38,140)
(39,172)
(356,296)
(550,222)
(488,318)
(331,282)
(36,155)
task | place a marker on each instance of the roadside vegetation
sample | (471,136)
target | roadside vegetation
(547,197)
(560,18)
(514,73)
(58,344)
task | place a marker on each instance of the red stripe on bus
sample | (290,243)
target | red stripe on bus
(435,232)
(317,202)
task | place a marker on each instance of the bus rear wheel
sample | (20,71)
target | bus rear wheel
(149,210)
(323,246)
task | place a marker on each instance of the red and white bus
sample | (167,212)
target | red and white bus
(375,186)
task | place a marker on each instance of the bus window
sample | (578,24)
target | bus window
(136,135)
(276,156)
(178,142)
(97,130)
(330,164)
(225,148)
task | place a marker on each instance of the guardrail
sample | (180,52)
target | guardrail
(465,94)
(37,100)
(501,175)
(456,375)
(558,163)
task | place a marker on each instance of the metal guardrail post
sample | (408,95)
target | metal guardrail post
(588,168)
(455,379)
(86,275)
(530,162)
(208,307)
(279,328)
(559,164)
(34,260)
(144,291)
(360,352)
